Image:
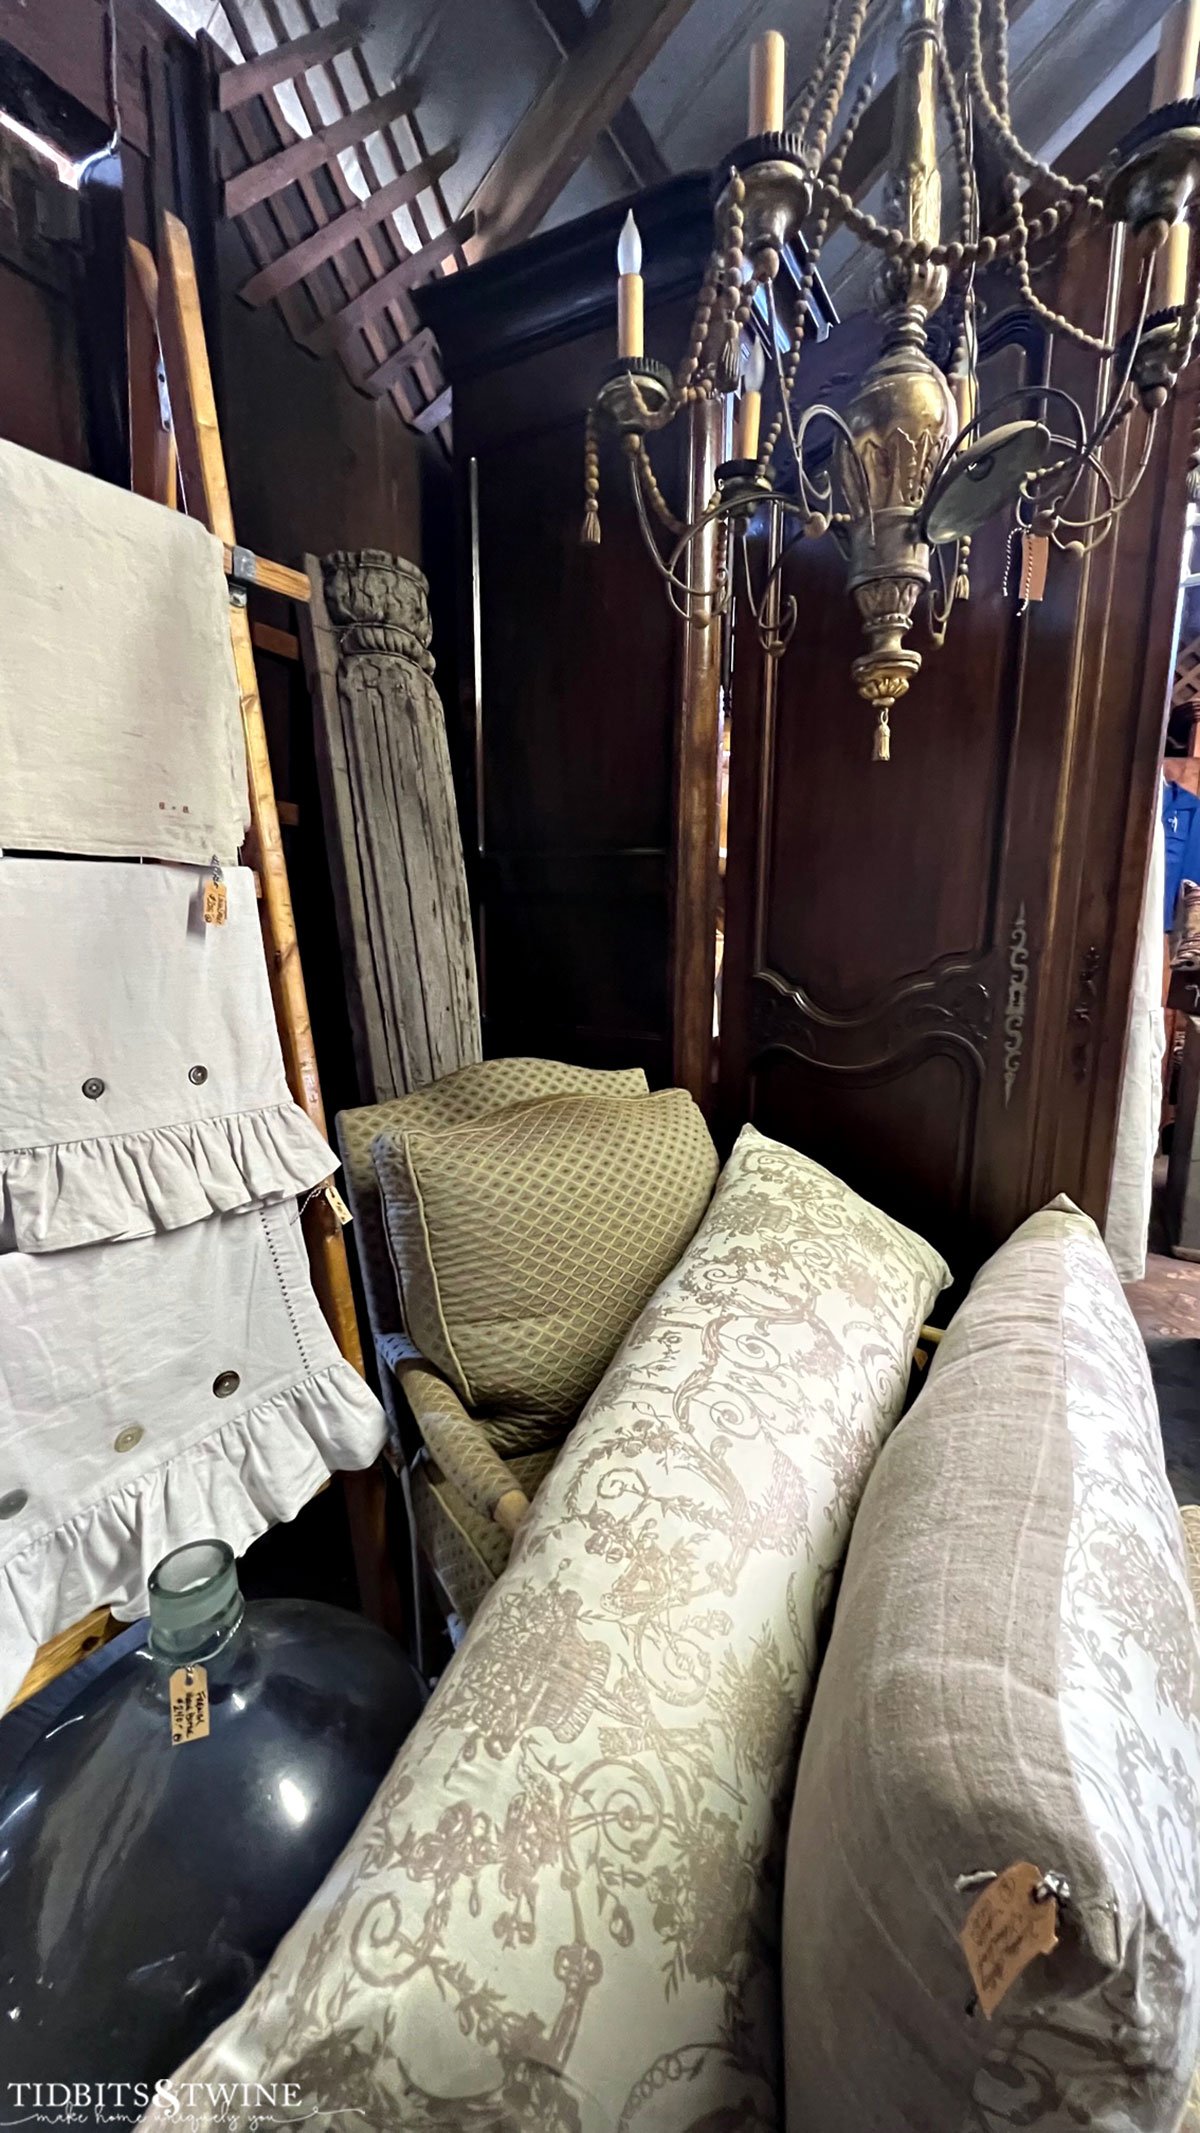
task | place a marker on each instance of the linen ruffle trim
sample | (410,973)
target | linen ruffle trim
(131,1184)
(259,1468)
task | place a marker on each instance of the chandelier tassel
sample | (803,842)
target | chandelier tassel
(590,530)
(962,583)
(882,750)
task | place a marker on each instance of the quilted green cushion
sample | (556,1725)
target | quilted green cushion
(526,1243)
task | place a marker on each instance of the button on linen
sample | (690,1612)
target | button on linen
(227,1382)
(15,1501)
(125,1439)
(197,1074)
(93,1086)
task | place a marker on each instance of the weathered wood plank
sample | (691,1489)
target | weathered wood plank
(437,412)
(267,69)
(422,344)
(345,229)
(264,179)
(340,329)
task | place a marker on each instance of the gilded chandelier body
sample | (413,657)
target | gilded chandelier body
(912,472)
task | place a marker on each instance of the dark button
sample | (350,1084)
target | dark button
(197,1074)
(126,1439)
(15,1501)
(93,1086)
(227,1382)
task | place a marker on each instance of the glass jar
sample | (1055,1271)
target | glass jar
(144,1884)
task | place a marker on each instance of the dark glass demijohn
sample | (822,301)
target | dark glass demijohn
(144,1885)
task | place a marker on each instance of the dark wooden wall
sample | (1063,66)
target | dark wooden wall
(571,662)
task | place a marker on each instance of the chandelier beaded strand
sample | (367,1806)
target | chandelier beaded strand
(904,476)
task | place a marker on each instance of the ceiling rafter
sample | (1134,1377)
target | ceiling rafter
(628,132)
(347,237)
(563,124)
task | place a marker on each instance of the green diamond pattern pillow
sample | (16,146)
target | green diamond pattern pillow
(526,1243)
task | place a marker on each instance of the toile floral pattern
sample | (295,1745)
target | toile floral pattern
(561,1913)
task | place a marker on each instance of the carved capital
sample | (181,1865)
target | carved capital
(379,604)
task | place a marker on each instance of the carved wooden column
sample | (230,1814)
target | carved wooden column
(395,848)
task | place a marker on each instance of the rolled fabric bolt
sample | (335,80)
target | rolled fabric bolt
(630,291)
(768,55)
(749,407)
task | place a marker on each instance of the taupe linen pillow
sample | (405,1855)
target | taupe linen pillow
(1010,1677)
(526,1243)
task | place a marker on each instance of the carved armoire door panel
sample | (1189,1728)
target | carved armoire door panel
(901,937)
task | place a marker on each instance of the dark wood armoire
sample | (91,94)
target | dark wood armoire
(928,961)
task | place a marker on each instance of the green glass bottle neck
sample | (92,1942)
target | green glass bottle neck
(196,1604)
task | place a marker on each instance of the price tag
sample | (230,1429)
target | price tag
(1035,555)
(1005,1928)
(340,1209)
(189,1705)
(216,903)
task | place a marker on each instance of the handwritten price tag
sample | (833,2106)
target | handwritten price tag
(189,1705)
(1005,1928)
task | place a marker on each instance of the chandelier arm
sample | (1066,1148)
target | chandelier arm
(1119,397)
(1118,499)
(774,637)
(812,414)
(699,604)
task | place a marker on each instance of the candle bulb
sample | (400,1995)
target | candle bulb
(630,314)
(749,407)
(767,56)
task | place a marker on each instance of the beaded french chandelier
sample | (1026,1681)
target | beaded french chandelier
(911,469)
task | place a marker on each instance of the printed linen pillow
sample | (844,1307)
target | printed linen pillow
(562,1911)
(526,1243)
(1010,1678)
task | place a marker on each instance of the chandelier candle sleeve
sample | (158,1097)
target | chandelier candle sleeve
(768,55)
(1174,80)
(749,407)
(630,289)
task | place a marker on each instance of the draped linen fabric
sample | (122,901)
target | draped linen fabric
(120,725)
(142,1084)
(153,1391)
(1011,1677)
(562,1910)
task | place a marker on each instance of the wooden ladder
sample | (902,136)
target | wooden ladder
(165,325)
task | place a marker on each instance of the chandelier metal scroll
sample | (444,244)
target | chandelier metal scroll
(905,476)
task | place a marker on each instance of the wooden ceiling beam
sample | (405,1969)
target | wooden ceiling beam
(344,229)
(267,69)
(265,179)
(562,126)
(628,132)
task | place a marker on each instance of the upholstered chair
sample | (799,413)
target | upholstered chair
(511,1220)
